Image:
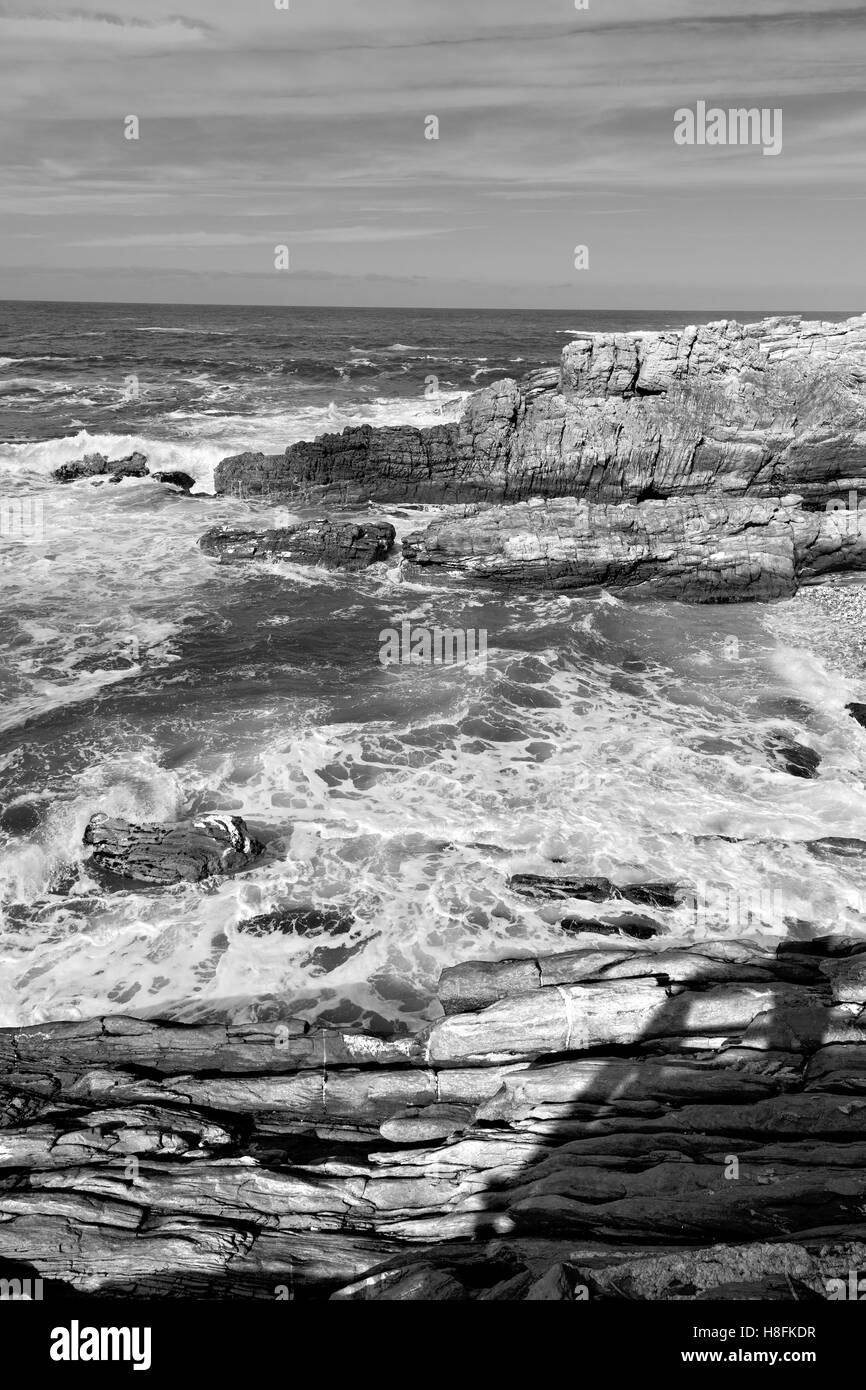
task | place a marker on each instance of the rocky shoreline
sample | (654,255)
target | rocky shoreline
(713,464)
(639,1118)
(760,410)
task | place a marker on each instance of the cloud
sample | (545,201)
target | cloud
(306,127)
(301,236)
(85,27)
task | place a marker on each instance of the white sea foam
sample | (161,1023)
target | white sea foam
(198,332)
(416,824)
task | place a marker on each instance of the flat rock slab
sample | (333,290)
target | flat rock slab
(708,549)
(343,544)
(159,853)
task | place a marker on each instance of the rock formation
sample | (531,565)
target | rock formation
(760,409)
(713,549)
(697,458)
(133,466)
(158,853)
(177,479)
(97,465)
(652,1121)
(345,544)
(391,463)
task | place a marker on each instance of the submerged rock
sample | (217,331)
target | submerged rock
(837,847)
(324,959)
(632,925)
(596,890)
(95,465)
(299,919)
(21,817)
(164,853)
(794,758)
(346,544)
(111,661)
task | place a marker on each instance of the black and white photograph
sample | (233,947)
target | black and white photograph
(432,668)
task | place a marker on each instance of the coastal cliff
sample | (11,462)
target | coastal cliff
(759,409)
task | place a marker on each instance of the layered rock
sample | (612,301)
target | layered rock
(348,545)
(710,550)
(361,464)
(763,409)
(653,363)
(164,853)
(621,1121)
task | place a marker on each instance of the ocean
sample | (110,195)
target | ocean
(600,736)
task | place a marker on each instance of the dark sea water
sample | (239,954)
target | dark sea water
(137,678)
(214,373)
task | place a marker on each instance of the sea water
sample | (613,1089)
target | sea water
(599,736)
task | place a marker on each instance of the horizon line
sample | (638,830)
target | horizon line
(432,308)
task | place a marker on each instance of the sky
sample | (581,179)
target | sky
(261,127)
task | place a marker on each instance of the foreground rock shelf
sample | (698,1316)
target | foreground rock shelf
(619,1121)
